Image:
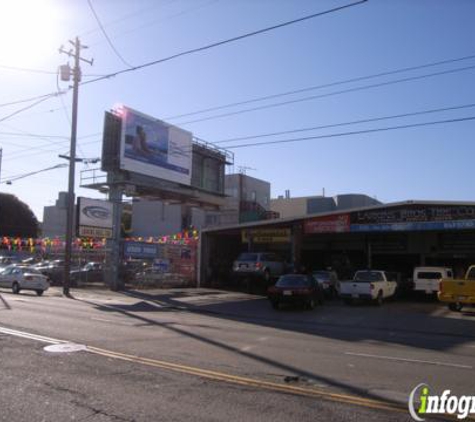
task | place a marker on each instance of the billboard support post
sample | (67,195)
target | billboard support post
(113,263)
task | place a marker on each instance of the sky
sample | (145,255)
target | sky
(426,162)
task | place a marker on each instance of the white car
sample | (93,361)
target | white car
(427,279)
(370,285)
(20,278)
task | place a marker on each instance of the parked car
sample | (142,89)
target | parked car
(20,278)
(372,285)
(458,293)
(328,280)
(92,272)
(298,289)
(264,265)
(427,279)
(53,269)
(5,261)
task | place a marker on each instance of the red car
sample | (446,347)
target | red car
(296,289)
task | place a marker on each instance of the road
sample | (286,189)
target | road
(213,355)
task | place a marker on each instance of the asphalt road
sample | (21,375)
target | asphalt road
(211,355)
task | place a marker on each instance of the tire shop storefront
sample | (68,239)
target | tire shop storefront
(393,237)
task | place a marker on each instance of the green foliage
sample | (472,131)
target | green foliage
(16,217)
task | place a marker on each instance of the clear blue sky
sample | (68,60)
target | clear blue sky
(433,162)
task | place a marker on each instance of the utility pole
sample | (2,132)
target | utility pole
(76,73)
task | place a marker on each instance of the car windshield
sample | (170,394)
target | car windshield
(322,275)
(293,281)
(368,276)
(247,257)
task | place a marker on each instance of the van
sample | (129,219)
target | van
(426,279)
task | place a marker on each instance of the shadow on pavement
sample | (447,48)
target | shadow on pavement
(296,372)
(408,323)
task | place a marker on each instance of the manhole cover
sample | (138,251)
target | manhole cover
(65,348)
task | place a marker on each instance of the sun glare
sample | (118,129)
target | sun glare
(28,31)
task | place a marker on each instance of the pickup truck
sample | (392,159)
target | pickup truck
(373,285)
(458,293)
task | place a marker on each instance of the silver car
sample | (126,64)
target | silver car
(20,278)
(260,264)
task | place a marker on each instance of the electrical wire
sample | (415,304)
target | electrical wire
(353,122)
(356,132)
(109,41)
(327,85)
(330,94)
(28,107)
(227,41)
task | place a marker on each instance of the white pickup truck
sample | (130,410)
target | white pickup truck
(370,285)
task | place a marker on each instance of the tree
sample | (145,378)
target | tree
(16,218)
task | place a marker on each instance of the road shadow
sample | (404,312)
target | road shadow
(4,302)
(410,323)
(294,374)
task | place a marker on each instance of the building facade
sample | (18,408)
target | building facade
(288,207)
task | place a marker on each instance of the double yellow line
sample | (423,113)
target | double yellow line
(251,382)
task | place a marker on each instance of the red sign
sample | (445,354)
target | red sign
(328,224)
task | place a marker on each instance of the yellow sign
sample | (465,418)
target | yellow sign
(266,235)
(85,231)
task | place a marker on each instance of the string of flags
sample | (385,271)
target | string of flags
(84,243)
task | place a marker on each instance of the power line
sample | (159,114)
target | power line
(327,85)
(27,100)
(21,155)
(357,132)
(28,107)
(330,94)
(369,120)
(227,41)
(109,41)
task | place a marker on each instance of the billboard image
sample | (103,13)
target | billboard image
(154,148)
(94,217)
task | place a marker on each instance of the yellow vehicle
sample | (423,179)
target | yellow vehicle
(458,293)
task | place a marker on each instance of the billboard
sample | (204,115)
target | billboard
(154,148)
(94,218)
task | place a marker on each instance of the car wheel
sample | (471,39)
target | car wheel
(15,288)
(379,298)
(39,292)
(456,307)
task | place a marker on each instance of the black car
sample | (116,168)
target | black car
(296,289)
(92,272)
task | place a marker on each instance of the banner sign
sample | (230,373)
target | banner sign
(414,218)
(266,235)
(154,148)
(328,224)
(140,250)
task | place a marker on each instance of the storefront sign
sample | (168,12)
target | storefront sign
(140,250)
(95,232)
(266,235)
(414,218)
(328,224)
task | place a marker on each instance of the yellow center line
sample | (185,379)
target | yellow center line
(250,382)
